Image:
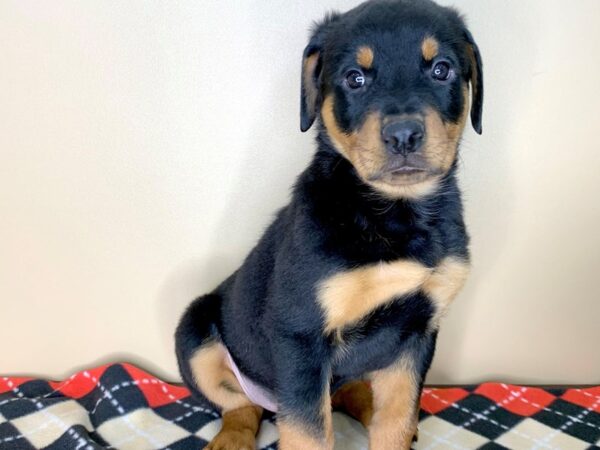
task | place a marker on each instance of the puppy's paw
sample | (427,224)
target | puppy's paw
(233,440)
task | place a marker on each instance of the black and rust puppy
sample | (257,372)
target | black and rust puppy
(351,279)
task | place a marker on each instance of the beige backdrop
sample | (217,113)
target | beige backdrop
(146,145)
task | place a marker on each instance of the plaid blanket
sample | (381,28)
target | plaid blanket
(122,407)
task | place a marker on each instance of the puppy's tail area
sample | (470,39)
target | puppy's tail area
(197,327)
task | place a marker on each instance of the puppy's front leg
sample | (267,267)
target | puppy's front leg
(396,395)
(303,376)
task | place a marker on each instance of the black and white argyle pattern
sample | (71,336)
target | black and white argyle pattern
(122,407)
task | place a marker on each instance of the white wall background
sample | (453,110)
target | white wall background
(144,146)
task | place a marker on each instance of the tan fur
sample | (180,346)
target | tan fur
(239,430)
(356,399)
(441,143)
(364,57)
(365,149)
(215,379)
(410,191)
(395,402)
(444,284)
(349,296)
(430,48)
(294,437)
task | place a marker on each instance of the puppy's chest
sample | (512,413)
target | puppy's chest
(363,246)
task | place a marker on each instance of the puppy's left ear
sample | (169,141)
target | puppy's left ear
(476,81)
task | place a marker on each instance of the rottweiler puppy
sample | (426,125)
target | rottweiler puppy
(340,301)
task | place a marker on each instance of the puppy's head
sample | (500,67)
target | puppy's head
(389,82)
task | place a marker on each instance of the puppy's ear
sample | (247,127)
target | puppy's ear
(312,79)
(476,81)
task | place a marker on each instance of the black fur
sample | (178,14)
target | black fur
(266,313)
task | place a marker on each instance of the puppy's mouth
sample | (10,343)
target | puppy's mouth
(402,172)
(405,171)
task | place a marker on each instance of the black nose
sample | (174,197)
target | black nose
(403,136)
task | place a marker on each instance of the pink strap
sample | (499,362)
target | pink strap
(256,393)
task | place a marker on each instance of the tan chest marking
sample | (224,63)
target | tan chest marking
(444,284)
(349,296)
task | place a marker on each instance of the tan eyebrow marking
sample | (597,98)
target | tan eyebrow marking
(430,48)
(364,57)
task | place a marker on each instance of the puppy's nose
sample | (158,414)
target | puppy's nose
(403,136)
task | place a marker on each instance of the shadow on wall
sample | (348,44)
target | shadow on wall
(485,171)
(252,203)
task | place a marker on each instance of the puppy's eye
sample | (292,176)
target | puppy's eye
(355,79)
(441,71)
